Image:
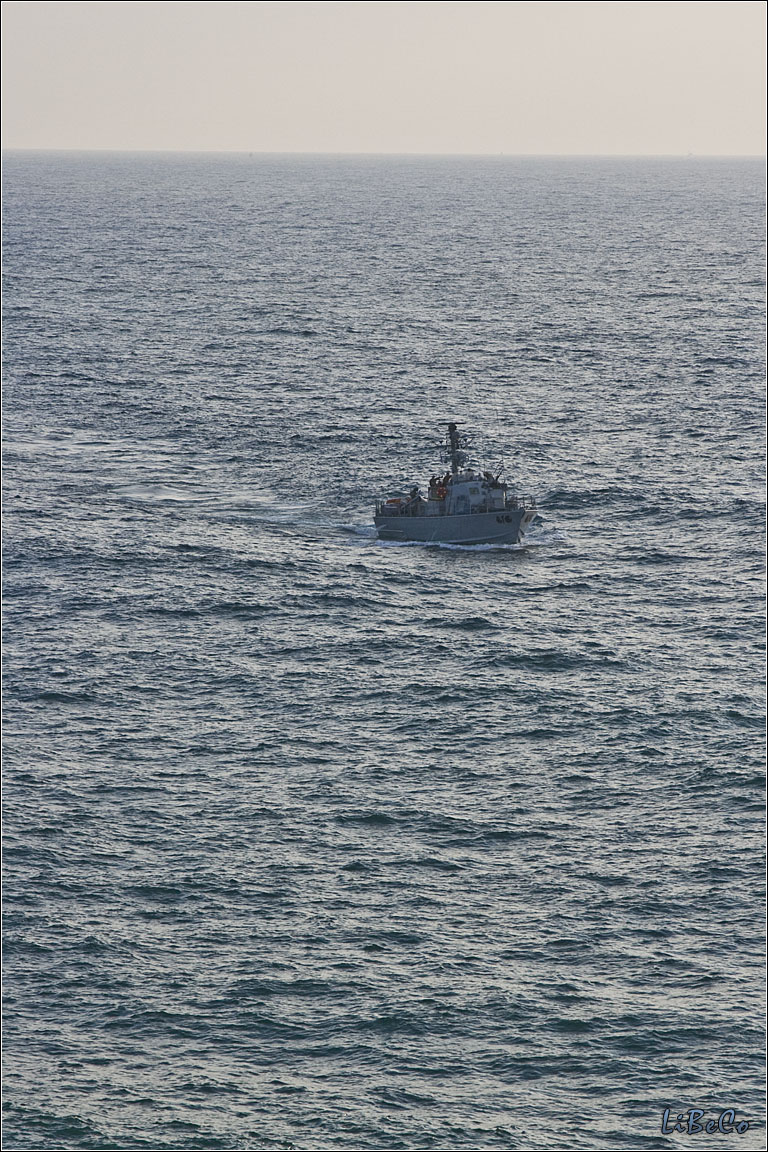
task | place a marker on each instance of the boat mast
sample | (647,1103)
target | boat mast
(453,440)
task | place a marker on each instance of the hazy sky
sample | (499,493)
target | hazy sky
(606,77)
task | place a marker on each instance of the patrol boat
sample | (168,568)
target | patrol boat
(465,506)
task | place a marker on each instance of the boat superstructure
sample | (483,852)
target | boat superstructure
(466,505)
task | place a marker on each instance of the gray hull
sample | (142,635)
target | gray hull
(505,527)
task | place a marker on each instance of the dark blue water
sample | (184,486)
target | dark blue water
(315,842)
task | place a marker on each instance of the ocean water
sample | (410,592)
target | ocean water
(315,842)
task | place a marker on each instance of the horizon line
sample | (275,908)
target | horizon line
(423,155)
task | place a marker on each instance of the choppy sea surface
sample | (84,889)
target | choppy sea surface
(317,842)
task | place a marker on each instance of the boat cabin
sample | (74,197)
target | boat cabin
(456,495)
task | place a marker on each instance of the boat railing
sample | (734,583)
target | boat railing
(419,508)
(433,508)
(521,502)
(398,508)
